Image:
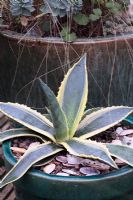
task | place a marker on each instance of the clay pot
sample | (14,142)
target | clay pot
(24,58)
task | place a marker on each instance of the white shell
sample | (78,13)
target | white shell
(49,168)
(89,171)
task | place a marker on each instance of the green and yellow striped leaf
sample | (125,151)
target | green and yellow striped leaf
(89,149)
(29,118)
(123,152)
(58,117)
(90,111)
(19,132)
(102,120)
(73,94)
(31,157)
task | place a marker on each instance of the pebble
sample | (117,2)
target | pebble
(22,145)
(62,159)
(89,171)
(87,162)
(96,164)
(62,174)
(100,166)
(49,168)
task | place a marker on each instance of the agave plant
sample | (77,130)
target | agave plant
(67,126)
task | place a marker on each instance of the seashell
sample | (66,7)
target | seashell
(49,168)
(89,171)
(87,162)
(73,160)
(62,159)
(100,166)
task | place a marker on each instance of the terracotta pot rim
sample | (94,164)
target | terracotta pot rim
(36,173)
(55,40)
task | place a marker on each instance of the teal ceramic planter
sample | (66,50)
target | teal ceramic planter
(36,185)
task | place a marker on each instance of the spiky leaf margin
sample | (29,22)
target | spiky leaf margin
(122,152)
(73,94)
(31,157)
(88,149)
(19,132)
(29,118)
(102,120)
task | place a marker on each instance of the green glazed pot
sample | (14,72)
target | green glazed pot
(36,185)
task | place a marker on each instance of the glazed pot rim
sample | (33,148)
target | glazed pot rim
(56,40)
(34,172)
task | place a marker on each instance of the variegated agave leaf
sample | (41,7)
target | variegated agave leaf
(90,111)
(31,157)
(102,120)
(58,117)
(29,118)
(73,94)
(89,149)
(19,132)
(123,152)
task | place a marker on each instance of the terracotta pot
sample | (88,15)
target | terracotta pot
(36,185)
(23,58)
